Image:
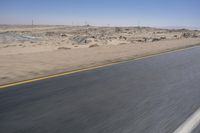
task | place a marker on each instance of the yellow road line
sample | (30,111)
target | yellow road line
(90,68)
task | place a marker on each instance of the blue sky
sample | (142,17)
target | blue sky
(102,12)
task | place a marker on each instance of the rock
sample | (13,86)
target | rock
(93,45)
(117,29)
(112,38)
(49,34)
(163,37)
(155,39)
(123,43)
(88,41)
(176,36)
(122,38)
(63,35)
(186,35)
(145,39)
(140,40)
(194,35)
(94,37)
(189,35)
(63,48)
(80,39)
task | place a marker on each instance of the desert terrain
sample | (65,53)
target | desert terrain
(28,52)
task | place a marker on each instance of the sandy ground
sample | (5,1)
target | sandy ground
(27,52)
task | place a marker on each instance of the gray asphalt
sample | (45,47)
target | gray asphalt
(153,95)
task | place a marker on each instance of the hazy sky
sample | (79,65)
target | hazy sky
(102,12)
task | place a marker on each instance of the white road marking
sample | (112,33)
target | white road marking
(190,124)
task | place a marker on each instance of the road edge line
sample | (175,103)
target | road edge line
(96,67)
(190,124)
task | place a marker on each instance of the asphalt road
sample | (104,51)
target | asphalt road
(152,95)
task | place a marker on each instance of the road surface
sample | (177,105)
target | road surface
(152,95)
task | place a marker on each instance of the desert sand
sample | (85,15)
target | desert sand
(28,52)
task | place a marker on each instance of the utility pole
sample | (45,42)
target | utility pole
(32,25)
